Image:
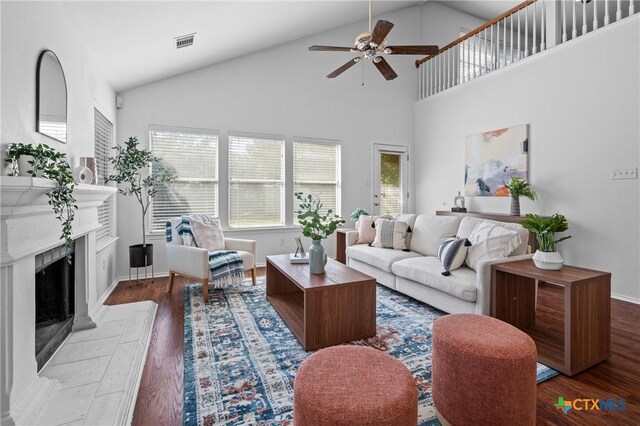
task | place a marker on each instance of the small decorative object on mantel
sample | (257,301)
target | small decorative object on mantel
(82,174)
(547,257)
(458,204)
(129,164)
(519,188)
(316,226)
(90,163)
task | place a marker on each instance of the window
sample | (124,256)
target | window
(485,52)
(256,180)
(316,171)
(192,156)
(103,135)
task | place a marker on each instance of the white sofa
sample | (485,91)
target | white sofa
(418,272)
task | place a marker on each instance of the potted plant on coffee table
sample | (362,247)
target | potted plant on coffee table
(547,257)
(130,165)
(317,226)
(519,187)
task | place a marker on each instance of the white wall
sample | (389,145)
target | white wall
(283,91)
(583,111)
(27,29)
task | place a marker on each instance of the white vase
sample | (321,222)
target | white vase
(550,260)
(24,166)
(82,174)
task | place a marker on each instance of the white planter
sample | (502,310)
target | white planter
(24,166)
(551,260)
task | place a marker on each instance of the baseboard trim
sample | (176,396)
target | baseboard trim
(633,300)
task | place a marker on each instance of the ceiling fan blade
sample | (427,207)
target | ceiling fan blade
(330,49)
(380,32)
(384,68)
(344,67)
(412,50)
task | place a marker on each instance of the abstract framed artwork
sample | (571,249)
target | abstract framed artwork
(493,158)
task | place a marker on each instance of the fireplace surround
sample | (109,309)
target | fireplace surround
(29,228)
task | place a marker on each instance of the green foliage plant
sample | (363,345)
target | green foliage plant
(545,228)
(357,213)
(314,224)
(519,187)
(51,164)
(129,164)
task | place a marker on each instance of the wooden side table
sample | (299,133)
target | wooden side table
(587,312)
(341,244)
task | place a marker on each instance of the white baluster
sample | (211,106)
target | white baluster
(632,8)
(574,31)
(619,11)
(447,57)
(468,76)
(475,52)
(441,73)
(584,17)
(453,62)
(526,31)
(420,75)
(564,21)
(484,57)
(429,76)
(595,14)
(543,28)
(519,51)
(511,40)
(534,50)
(504,42)
(606,12)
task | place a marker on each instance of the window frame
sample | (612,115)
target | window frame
(216,180)
(110,203)
(283,180)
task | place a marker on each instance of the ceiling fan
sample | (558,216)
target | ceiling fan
(371,44)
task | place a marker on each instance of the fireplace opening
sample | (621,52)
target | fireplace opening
(55,301)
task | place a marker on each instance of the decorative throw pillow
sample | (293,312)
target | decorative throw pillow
(390,234)
(185,231)
(208,235)
(366,228)
(451,253)
(490,241)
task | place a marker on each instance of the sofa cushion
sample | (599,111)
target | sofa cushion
(208,235)
(390,234)
(491,241)
(427,270)
(468,224)
(452,253)
(429,231)
(379,257)
(409,219)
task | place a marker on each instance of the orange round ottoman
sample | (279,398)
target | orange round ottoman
(354,385)
(483,372)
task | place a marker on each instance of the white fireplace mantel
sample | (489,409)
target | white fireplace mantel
(28,227)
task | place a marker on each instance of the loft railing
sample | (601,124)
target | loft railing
(529,28)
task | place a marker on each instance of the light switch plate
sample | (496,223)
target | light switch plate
(631,173)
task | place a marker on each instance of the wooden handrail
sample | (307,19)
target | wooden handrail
(478,30)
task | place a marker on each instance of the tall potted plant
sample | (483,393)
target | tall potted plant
(43,161)
(547,257)
(317,226)
(519,188)
(129,164)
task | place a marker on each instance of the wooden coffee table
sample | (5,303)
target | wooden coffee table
(336,307)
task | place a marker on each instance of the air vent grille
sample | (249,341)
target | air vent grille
(184,41)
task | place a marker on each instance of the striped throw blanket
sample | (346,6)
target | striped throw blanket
(225,265)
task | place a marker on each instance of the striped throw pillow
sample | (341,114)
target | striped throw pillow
(451,253)
(390,234)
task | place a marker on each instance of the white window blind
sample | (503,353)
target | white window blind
(316,171)
(256,180)
(192,156)
(103,135)
(484,53)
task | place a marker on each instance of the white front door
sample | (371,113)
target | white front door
(390,179)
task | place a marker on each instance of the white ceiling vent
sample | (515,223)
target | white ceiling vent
(184,41)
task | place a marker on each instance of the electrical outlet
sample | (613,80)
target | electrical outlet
(631,173)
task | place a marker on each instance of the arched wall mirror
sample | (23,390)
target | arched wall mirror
(51,97)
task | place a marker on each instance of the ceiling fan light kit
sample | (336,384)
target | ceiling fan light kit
(370,44)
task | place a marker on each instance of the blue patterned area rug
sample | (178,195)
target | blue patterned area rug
(240,358)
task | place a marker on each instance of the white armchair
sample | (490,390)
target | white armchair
(193,262)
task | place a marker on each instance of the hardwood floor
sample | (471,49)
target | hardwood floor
(160,396)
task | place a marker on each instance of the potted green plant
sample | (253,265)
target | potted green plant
(355,216)
(317,226)
(43,161)
(519,187)
(129,164)
(547,257)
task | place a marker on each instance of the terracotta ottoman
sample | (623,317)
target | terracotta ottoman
(354,385)
(483,372)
